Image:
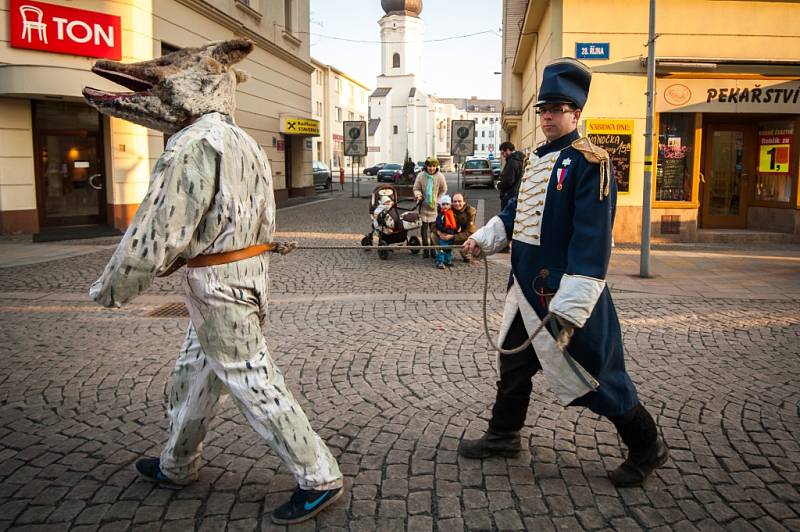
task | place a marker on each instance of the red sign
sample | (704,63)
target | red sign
(64,30)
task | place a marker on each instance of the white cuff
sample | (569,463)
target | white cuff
(576,297)
(491,237)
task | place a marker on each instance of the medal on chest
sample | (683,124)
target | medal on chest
(562,173)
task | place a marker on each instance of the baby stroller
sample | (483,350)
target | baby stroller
(390,223)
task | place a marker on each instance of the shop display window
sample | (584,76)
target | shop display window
(675,167)
(773,173)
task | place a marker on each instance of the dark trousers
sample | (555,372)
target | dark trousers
(636,427)
(515,386)
(426,232)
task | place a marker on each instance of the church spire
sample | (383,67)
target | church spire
(402,37)
(402,7)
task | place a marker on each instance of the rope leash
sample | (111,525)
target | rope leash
(284,248)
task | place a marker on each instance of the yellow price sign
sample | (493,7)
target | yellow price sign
(773,158)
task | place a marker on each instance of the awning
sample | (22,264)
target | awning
(763,66)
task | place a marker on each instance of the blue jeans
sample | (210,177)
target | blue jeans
(445,256)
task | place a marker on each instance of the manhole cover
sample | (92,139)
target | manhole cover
(170,310)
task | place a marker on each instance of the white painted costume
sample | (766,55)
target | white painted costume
(211,192)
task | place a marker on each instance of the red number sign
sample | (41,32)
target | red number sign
(64,30)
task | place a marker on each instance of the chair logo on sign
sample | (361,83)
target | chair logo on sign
(462,138)
(355,138)
(64,30)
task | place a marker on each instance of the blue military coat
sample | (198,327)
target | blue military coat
(560,225)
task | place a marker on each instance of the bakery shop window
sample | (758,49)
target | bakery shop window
(675,166)
(774,169)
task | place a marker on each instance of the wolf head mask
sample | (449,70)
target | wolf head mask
(171,90)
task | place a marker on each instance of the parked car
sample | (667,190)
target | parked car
(495,168)
(388,173)
(322,175)
(373,170)
(478,171)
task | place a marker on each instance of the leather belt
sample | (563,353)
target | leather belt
(215,259)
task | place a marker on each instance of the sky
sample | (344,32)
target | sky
(453,68)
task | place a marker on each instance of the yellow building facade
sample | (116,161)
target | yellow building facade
(727,106)
(63,165)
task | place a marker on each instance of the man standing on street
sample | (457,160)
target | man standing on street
(510,176)
(561,224)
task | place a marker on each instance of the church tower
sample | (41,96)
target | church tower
(400,114)
(402,33)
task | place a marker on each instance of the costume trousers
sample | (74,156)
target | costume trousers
(636,427)
(225,352)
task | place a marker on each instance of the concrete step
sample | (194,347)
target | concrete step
(744,236)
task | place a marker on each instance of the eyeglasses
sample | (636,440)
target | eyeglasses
(555,111)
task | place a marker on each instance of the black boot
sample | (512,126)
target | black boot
(491,444)
(425,253)
(646,451)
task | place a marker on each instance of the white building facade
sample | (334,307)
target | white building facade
(486,114)
(335,97)
(446,112)
(401,116)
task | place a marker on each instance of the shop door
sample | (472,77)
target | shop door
(69,170)
(728,168)
(288,163)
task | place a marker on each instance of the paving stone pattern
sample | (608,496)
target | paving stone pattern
(392,384)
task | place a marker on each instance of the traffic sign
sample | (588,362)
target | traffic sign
(462,138)
(355,138)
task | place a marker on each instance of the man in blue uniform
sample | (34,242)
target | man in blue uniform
(560,227)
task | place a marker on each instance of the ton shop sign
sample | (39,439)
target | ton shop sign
(64,30)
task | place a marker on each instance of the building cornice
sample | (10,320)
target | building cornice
(530,30)
(230,22)
(321,65)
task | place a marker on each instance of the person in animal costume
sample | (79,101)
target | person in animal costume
(210,204)
(559,226)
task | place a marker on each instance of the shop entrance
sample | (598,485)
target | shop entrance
(729,170)
(70,167)
(288,164)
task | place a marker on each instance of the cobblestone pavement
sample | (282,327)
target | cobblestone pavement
(392,374)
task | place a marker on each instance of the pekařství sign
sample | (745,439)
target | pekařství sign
(64,30)
(728,95)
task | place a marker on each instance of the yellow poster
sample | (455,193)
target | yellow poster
(773,158)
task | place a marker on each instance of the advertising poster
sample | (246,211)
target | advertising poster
(616,137)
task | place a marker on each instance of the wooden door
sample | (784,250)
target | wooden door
(729,169)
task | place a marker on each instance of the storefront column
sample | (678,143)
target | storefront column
(18,212)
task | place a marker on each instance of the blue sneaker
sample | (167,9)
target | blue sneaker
(304,504)
(150,469)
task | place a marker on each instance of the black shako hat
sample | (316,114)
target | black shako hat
(565,80)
